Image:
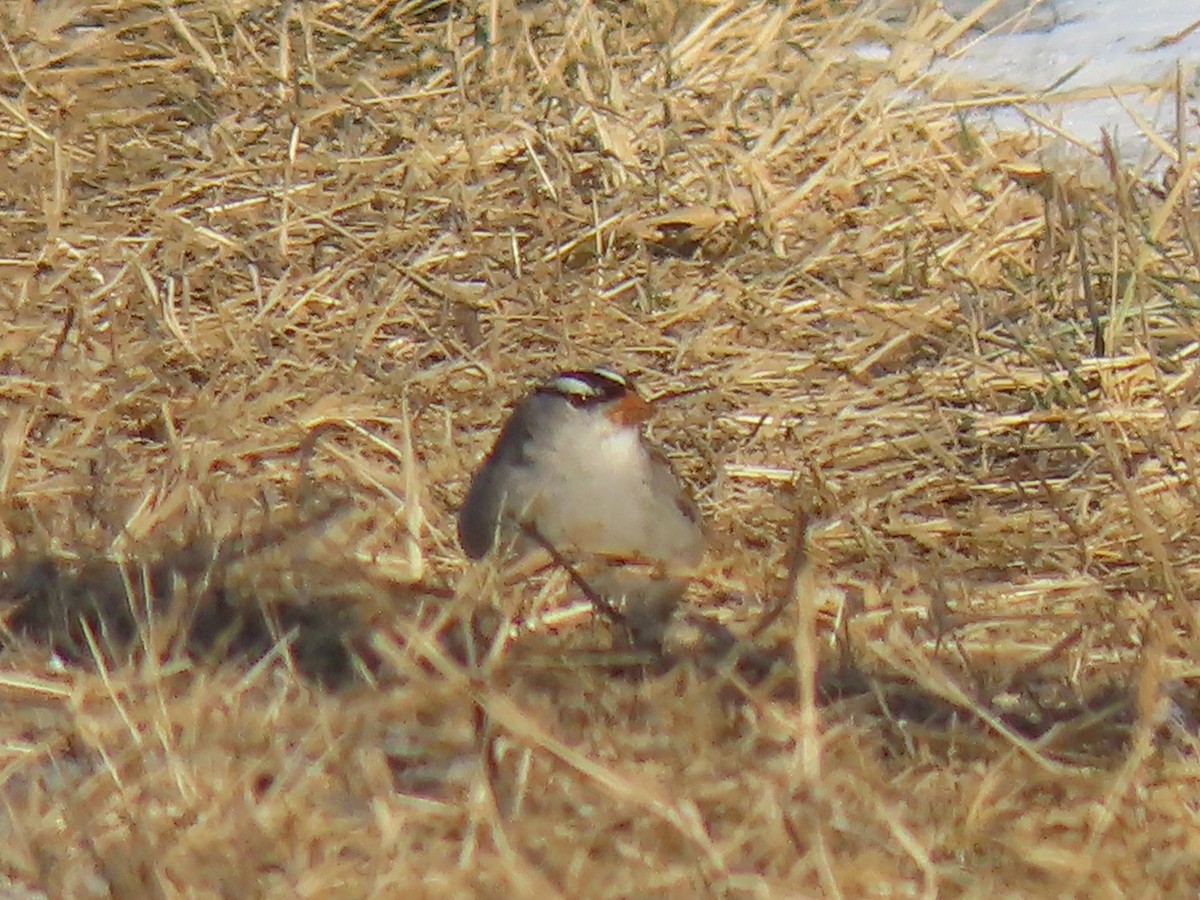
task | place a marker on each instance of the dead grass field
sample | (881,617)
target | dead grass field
(271,275)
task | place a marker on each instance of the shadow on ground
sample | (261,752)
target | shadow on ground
(196,600)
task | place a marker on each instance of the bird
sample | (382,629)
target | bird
(572,468)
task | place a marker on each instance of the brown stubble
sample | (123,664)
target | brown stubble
(272,276)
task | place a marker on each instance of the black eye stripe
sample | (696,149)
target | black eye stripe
(588,387)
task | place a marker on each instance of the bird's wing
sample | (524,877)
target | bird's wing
(480,519)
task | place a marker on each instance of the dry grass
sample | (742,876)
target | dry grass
(271,274)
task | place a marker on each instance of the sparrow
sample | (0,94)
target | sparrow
(573,467)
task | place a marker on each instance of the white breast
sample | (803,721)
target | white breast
(600,491)
(606,448)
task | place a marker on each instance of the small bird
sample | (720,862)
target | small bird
(572,464)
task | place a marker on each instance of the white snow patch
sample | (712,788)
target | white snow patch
(1098,48)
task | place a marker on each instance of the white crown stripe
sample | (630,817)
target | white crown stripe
(593,384)
(610,374)
(573,386)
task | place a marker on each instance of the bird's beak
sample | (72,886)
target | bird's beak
(631,409)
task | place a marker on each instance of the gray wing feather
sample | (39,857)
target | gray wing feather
(482,513)
(479,519)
